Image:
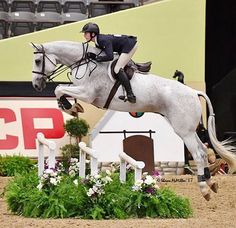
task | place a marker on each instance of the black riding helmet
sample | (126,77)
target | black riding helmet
(91,27)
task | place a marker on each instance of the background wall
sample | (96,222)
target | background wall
(171,34)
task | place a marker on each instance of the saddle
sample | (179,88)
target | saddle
(132,67)
(129,69)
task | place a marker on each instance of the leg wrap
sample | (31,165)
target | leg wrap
(207,173)
(201,178)
(206,176)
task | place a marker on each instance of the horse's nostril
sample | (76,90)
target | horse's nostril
(36,87)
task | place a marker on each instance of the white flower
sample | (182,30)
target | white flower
(108,179)
(156,186)
(40,186)
(75,182)
(54,174)
(53,181)
(59,178)
(74,160)
(145,173)
(149,180)
(72,173)
(98,183)
(90,192)
(97,176)
(42,179)
(136,188)
(45,176)
(100,191)
(95,188)
(49,171)
(138,183)
(108,172)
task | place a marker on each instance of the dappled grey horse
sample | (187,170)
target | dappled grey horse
(92,83)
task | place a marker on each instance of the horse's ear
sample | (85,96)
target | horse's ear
(35,46)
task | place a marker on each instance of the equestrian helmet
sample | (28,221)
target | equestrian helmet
(91,27)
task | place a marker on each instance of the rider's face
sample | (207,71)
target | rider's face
(87,36)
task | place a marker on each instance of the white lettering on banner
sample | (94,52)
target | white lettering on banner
(21,120)
(2,134)
(43,123)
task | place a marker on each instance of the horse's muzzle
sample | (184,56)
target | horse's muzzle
(37,88)
(39,85)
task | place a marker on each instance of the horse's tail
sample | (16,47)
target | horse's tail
(224,148)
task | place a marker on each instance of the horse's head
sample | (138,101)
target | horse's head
(44,65)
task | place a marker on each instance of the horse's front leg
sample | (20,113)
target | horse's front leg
(62,101)
(64,104)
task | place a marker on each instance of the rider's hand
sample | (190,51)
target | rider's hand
(91,55)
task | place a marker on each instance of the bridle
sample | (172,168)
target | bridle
(62,68)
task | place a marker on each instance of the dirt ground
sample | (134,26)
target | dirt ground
(220,211)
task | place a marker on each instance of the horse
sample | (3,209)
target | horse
(92,83)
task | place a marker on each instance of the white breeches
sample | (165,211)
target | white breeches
(124,58)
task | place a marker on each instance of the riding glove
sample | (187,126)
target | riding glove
(91,55)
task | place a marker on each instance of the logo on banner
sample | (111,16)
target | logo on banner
(27,122)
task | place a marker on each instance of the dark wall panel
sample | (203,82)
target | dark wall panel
(221,61)
(25,89)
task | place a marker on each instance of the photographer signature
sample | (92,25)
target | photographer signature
(176,180)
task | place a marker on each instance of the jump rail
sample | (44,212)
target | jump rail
(42,141)
(94,160)
(138,166)
(124,159)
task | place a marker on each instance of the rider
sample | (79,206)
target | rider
(124,45)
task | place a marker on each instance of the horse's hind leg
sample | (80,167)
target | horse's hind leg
(210,182)
(200,157)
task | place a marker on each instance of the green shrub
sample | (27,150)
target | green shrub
(76,127)
(10,165)
(24,198)
(73,197)
(166,204)
(70,151)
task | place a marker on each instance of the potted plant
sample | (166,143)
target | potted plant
(76,128)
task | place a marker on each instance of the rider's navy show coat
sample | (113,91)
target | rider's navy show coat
(114,43)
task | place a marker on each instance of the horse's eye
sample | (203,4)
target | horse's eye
(37,61)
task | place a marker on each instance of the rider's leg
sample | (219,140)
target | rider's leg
(123,78)
(124,59)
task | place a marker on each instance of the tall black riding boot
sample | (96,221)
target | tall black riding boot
(123,78)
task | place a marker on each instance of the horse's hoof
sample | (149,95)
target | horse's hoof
(207,196)
(78,107)
(74,114)
(214,187)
